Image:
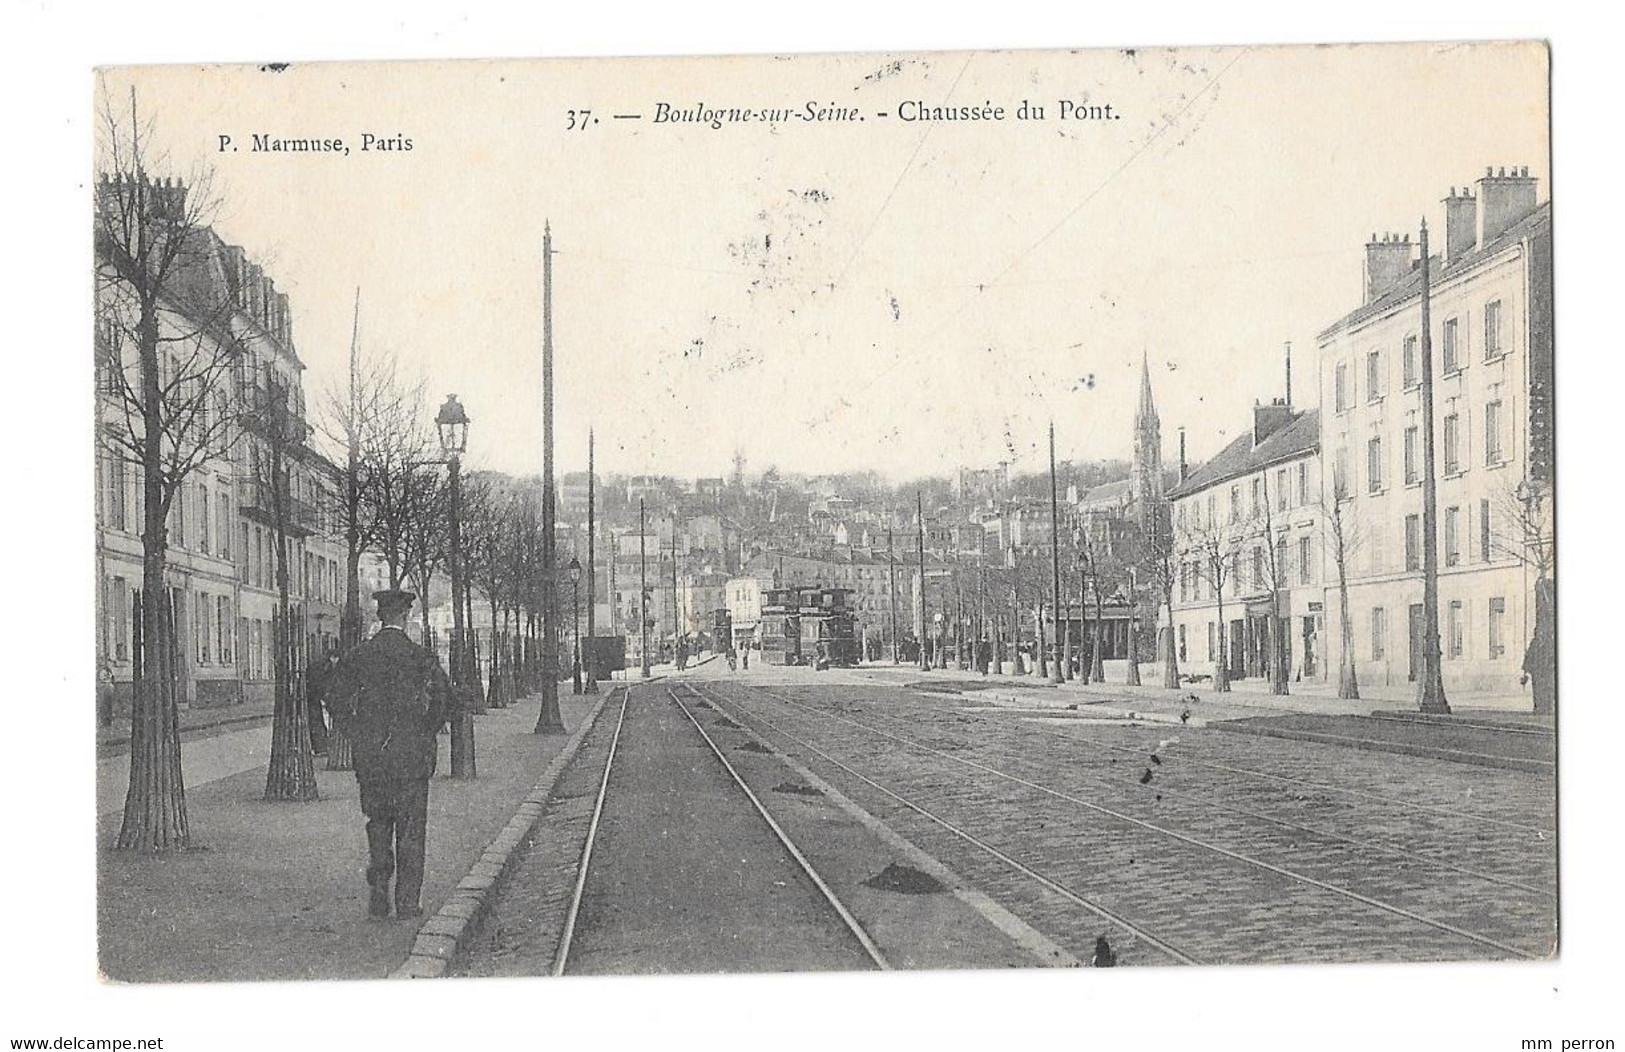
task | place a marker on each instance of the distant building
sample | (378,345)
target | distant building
(1255,509)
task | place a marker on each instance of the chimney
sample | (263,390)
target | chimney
(1503,200)
(1460,224)
(1289,372)
(1184,472)
(1268,419)
(1386,263)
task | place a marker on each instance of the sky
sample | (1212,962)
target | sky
(889,295)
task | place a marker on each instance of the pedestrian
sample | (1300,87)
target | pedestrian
(104,695)
(745,655)
(391,697)
(316,677)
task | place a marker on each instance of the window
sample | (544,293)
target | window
(1379,633)
(1258,567)
(1303,483)
(1492,330)
(1212,520)
(1376,546)
(1184,582)
(1306,560)
(1492,429)
(243,554)
(1452,347)
(1212,645)
(204,534)
(120,619)
(1258,496)
(1340,474)
(1281,572)
(222,629)
(1412,437)
(1484,531)
(116,510)
(1452,536)
(1413,542)
(1452,443)
(1373,464)
(1235,504)
(176,527)
(1280,490)
(1412,366)
(222,526)
(1182,642)
(1457,629)
(1373,376)
(1498,618)
(1341,387)
(200,626)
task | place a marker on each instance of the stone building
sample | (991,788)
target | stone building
(1491,308)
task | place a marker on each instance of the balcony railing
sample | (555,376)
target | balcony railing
(256,499)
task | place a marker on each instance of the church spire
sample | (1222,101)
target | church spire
(1148,409)
(1145,474)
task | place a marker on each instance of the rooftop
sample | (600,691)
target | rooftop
(1241,457)
(1411,285)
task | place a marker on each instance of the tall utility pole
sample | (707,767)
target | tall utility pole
(676,612)
(1430,684)
(588,656)
(891,569)
(339,756)
(643,591)
(548,720)
(1056,675)
(919,509)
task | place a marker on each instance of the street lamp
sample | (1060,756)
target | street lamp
(452,424)
(575,646)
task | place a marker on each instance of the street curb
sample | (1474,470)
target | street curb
(113,743)
(1505,763)
(444,938)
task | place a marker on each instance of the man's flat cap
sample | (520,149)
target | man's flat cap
(392,599)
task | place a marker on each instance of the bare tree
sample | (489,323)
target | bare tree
(1341,533)
(169,348)
(1276,576)
(394,449)
(275,435)
(1521,528)
(1215,545)
(1159,560)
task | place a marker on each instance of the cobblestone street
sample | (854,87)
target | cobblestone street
(1185,843)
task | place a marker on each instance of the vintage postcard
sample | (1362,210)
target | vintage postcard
(963,510)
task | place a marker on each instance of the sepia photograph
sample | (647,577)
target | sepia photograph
(824,512)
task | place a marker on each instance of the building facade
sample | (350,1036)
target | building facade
(1491,310)
(1247,531)
(222,556)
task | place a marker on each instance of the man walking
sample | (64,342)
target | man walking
(391,697)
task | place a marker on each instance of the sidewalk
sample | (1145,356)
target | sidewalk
(194,723)
(1246,698)
(277,890)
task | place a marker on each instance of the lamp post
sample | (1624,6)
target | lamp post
(575,640)
(452,424)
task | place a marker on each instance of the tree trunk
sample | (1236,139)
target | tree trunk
(1170,658)
(1221,671)
(1133,676)
(155,803)
(1038,632)
(1278,666)
(291,774)
(1097,667)
(1348,682)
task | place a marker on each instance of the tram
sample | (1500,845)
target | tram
(809,626)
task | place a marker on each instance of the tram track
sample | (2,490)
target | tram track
(566,957)
(1212,800)
(1304,882)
